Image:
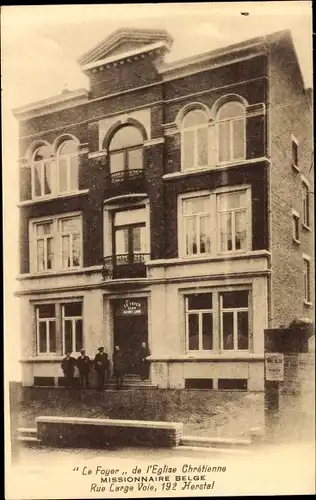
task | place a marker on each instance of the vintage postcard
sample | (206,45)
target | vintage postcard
(158,250)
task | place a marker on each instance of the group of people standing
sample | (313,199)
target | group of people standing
(101,365)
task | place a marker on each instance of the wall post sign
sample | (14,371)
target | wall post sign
(131,307)
(274,366)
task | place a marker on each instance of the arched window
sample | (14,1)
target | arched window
(231,132)
(194,146)
(42,172)
(126,149)
(67,166)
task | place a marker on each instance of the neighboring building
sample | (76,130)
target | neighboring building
(170,203)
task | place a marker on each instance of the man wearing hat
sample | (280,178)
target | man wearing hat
(101,365)
(83,364)
(68,367)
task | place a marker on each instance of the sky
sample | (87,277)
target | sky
(40,48)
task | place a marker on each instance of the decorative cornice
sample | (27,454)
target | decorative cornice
(65,100)
(122,36)
(128,57)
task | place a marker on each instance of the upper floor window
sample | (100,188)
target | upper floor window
(230,123)
(56,243)
(305,204)
(126,149)
(67,166)
(217,222)
(42,175)
(194,132)
(50,172)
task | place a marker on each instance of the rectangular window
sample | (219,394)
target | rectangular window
(196,213)
(307,279)
(234,319)
(44,246)
(295,153)
(46,328)
(296,226)
(72,327)
(70,232)
(305,204)
(56,244)
(199,322)
(218,222)
(233,215)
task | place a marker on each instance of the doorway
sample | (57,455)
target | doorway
(130,319)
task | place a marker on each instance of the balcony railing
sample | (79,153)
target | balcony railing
(131,265)
(126,182)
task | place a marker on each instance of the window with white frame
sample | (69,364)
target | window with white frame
(197,227)
(216,222)
(67,166)
(56,243)
(126,150)
(42,172)
(44,245)
(194,140)
(70,233)
(296,226)
(199,321)
(233,220)
(48,173)
(307,279)
(230,127)
(72,327)
(305,203)
(234,320)
(46,328)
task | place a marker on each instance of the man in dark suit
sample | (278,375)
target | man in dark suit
(83,364)
(101,365)
(68,367)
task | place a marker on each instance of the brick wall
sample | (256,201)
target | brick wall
(289,114)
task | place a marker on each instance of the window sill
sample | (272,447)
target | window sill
(210,356)
(50,274)
(51,198)
(307,303)
(295,168)
(192,259)
(219,166)
(307,228)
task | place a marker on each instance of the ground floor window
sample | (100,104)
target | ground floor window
(46,328)
(218,320)
(234,320)
(199,322)
(59,327)
(72,326)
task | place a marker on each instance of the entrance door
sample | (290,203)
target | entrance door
(130,329)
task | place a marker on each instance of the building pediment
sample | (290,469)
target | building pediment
(123,43)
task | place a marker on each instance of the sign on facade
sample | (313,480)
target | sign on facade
(131,307)
(274,367)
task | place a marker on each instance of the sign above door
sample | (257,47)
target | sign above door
(130,307)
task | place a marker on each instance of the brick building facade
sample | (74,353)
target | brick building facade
(171,203)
